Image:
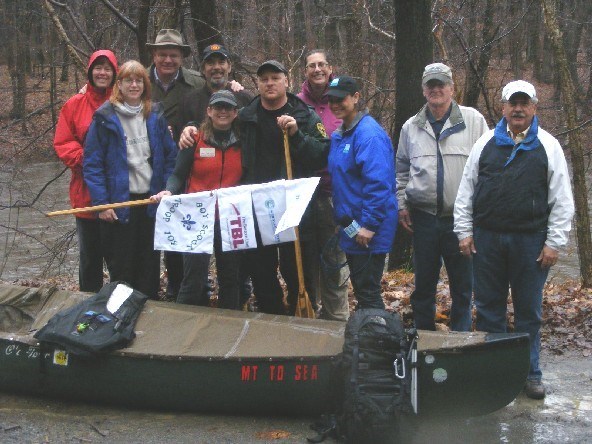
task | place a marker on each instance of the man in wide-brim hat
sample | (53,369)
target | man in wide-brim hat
(170,83)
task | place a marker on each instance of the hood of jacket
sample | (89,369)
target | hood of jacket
(99,96)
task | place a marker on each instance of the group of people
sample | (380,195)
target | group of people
(493,206)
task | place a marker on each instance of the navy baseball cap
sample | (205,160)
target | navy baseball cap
(342,86)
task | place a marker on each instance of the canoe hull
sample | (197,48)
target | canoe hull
(472,380)
(202,359)
(253,386)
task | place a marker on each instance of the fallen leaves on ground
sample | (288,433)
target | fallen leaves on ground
(273,435)
(567,310)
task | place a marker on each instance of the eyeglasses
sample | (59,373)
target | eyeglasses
(321,65)
(129,81)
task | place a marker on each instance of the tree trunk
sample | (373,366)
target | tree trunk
(414,50)
(16,58)
(142,37)
(534,42)
(205,23)
(479,66)
(63,36)
(577,153)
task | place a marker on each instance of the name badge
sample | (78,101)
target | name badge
(207,152)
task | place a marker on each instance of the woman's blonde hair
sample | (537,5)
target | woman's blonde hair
(128,69)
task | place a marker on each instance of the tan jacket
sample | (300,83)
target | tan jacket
(417,159)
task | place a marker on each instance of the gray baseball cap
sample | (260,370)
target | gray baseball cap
(437,71)
(223,96)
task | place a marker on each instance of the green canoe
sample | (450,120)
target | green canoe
(203,359)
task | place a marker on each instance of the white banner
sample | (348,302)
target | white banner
(269,202)
(298,195)
(185,223)
(237,223)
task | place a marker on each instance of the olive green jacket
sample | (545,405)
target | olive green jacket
(187,81)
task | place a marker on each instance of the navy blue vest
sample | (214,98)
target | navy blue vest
(512,197)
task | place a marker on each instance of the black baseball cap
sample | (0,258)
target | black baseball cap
(342,86)
(214,49)
(273,65)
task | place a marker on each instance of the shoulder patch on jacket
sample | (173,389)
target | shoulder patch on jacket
(321,129)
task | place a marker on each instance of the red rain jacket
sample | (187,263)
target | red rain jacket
(75,118)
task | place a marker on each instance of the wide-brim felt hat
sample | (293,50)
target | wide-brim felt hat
(169,38)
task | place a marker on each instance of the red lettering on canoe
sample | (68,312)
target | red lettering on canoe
(249,372)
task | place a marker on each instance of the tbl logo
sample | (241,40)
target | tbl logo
(269,204)
(236,229)
(346,148)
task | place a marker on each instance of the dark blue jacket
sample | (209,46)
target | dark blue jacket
(512,192)
(362,167)
(105,164)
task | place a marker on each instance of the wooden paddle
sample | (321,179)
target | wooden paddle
(303,307)
(129,203)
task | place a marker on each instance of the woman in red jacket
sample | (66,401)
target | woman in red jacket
(213,162)
(75,118)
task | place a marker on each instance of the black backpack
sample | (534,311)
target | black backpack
(89,329)
(376,378)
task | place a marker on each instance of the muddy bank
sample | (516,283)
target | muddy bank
(565,416)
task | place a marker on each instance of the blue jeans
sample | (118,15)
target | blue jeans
(366,276)
(510,259)
(433,241)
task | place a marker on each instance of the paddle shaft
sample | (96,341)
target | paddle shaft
(129,203)
(303,307)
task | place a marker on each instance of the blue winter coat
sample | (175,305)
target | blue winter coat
(105,164)
(362,167)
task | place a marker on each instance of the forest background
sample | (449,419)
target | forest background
(383,43)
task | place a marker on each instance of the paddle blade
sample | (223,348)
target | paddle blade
(304,307)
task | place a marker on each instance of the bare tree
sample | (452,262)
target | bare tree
(414,50)
(575,144)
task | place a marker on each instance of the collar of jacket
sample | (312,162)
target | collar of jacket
(296,108)
(307,92)
(361,114)
(96,96)
(106,112)
(232,141)
(456,120)
(180,75)
(530,142)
